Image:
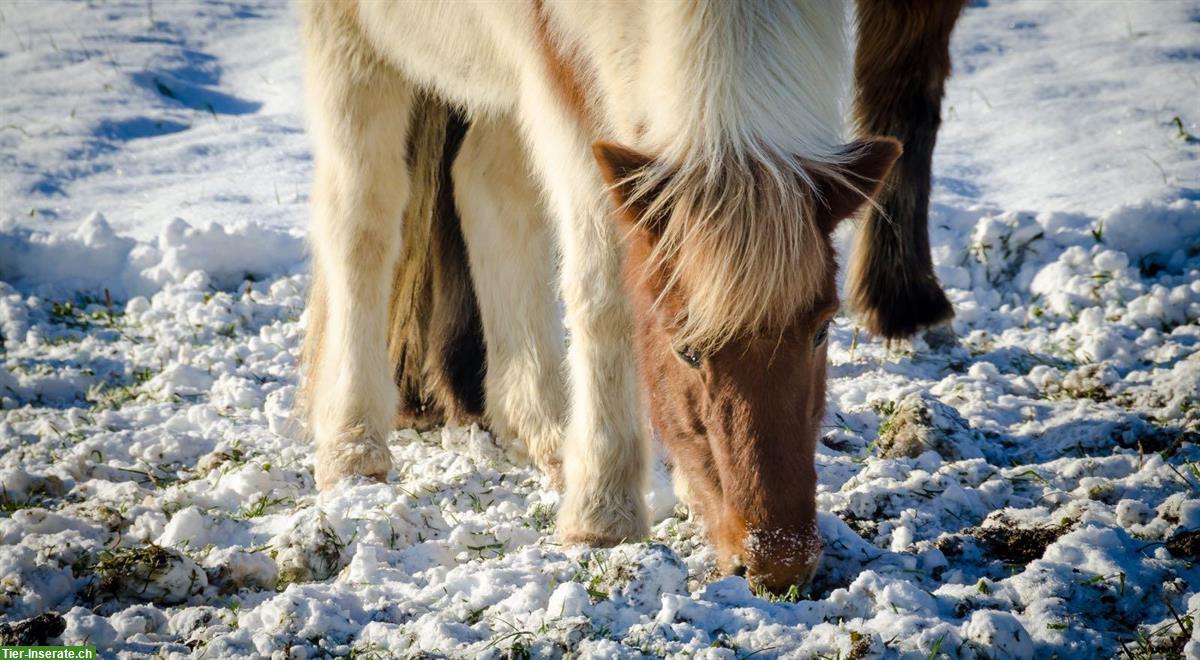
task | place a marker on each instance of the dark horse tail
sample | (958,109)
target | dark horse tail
(902,61)
(435,340)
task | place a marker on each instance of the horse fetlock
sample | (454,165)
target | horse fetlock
(355,451)
(545,450)
(941,337)
(532,438)
(896,310)
(687,502)
(544,455)
(551,466)
(602,519)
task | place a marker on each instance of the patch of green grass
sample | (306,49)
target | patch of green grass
(937,646)
(369,651)
(74,316)
(258,508)
(10,505)
(113,397)
(518,643)
(541,517)
(792,595)
(1165,641)
(158,476)
(117,568)
(1182,133)
(497,548)
(886,410)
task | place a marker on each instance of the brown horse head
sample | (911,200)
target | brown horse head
(739,409)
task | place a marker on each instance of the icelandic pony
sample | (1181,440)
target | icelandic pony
(717,128)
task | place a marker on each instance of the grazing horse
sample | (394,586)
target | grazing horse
(686,161)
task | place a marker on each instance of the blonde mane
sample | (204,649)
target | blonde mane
(740,241)
(749,121)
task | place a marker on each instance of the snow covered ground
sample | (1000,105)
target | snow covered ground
(1034,491)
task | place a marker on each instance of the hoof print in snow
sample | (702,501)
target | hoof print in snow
(920,423)
(309,551)
(149,573)
(1006,540)
(32,632)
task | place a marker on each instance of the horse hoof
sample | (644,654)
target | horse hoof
(327,483)
(601,527)
(941,337)
(591,540)
(351,455)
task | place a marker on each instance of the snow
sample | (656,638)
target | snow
(1024,493)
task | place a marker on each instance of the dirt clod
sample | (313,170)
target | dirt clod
(311,551)
(150,573)
(1185,544)
(921,423)
(32,632)
(1005,540)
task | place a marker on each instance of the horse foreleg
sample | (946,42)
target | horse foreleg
(605,449)
(359,113)
(902,61)
(510,244)
(605,453)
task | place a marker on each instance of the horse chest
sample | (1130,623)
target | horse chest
(463,50)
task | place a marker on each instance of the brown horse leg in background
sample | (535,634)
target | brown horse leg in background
(901,64)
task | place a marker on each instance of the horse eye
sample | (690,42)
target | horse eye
(821,336)
(689,355)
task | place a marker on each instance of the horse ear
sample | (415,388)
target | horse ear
(619,166)
(861,179)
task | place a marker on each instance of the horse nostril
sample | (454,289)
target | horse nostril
(739,569)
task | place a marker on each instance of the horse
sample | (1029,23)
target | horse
(674,172)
